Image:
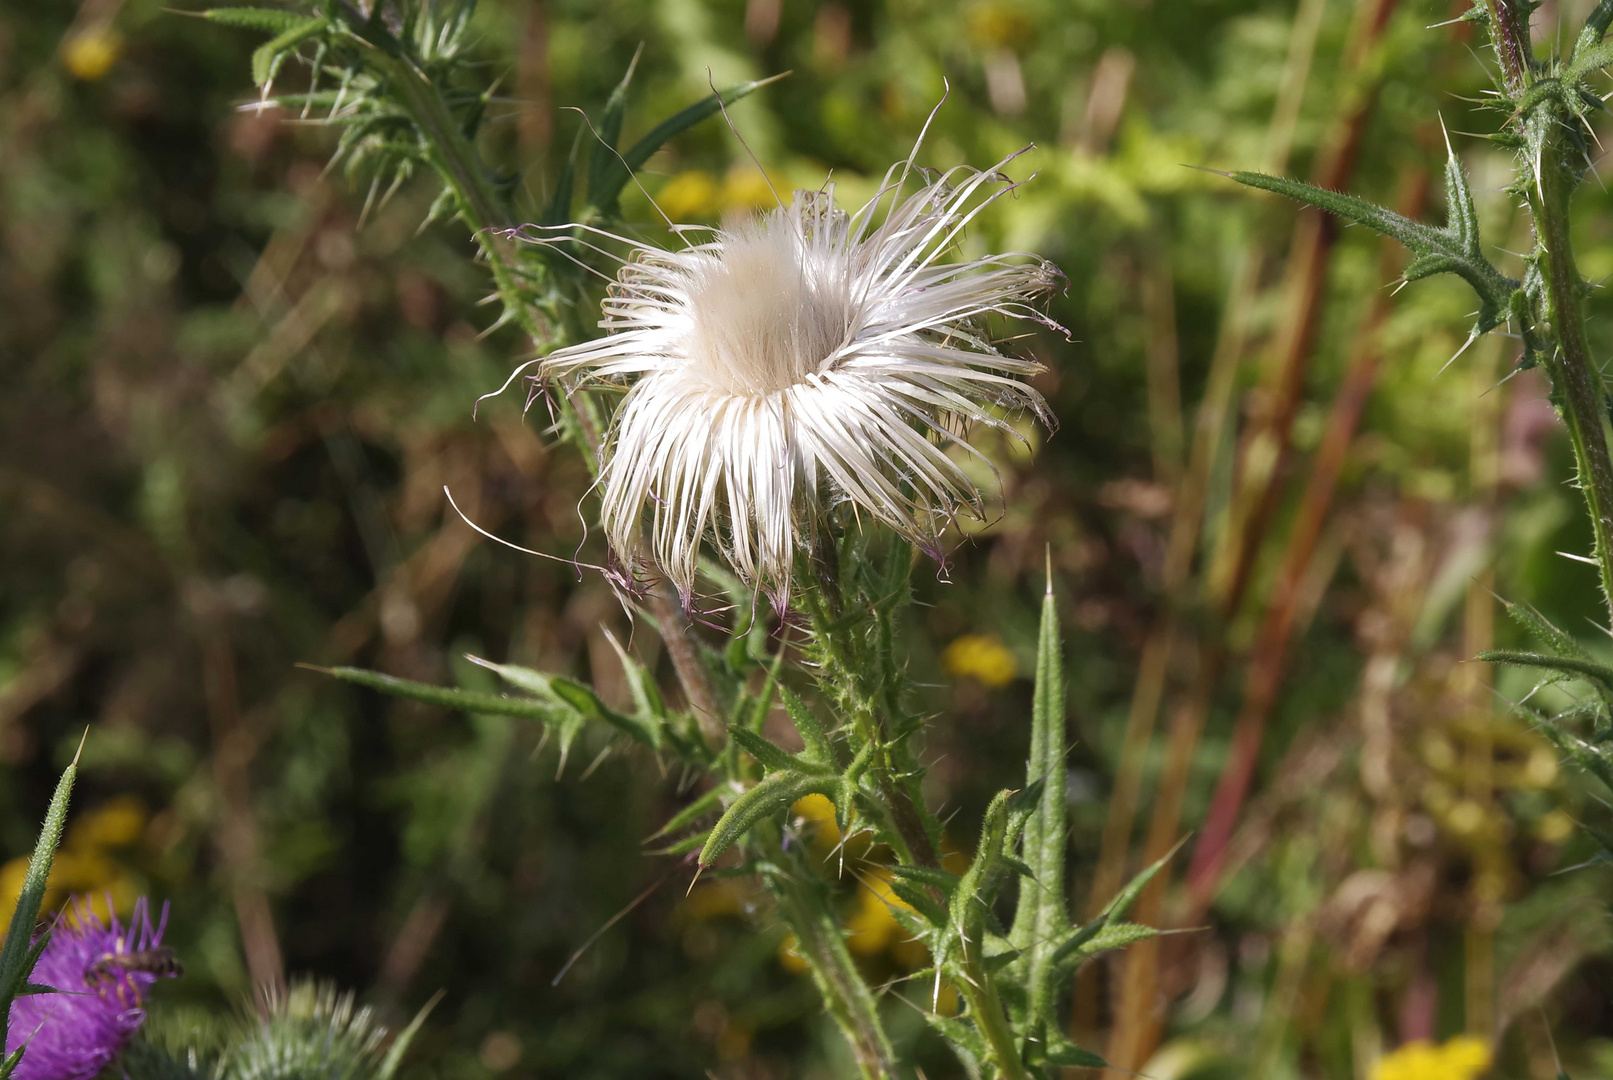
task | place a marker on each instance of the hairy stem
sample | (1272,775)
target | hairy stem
(1509,28)
(986,1010)
(841,679)
(1576,382)
(845,994)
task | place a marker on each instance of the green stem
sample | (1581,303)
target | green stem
(455,159)
(986,1010)
(1577,383)
(912,842)
(818,939)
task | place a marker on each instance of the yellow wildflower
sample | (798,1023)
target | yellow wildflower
(90,53)
(1462,1058)
(82,866)
(872,928)
(747,189)
(690,194)
(981,657)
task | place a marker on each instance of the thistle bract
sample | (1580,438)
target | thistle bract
(807,361)
(101,985)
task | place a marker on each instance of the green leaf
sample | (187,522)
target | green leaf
(19,952)
(267,20)
(641,684)
(585,701)
(1039,914)
(606,135)
(572,698)
(1117,936)
(963,1038)
(929,876)
(1531,620)
(770,757)
(1591,36)
(921,901)
(400,1045)
(1572,665)
(971,902)
(771,795)
(559,208)
(815,740)
(268,57)
(1061,1051)
(464,700)
(1454,250)
(606,182)
(699,808)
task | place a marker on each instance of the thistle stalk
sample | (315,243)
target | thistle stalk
(845,994)
(979,991)
(1549,158)
(1578,386)
(456,162)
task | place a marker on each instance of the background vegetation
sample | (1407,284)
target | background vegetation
(235,388)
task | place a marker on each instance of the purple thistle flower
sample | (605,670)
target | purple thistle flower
(102,974)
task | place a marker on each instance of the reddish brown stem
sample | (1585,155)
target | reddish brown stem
(1268,660)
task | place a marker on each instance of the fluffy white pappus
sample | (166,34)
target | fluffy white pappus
(807,361)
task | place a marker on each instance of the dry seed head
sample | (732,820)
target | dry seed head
(808,360)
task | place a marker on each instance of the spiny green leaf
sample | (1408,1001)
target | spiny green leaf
(701,806)
(971,902)
(920,901)
(770,757)
(585,701)
(1039,913)
(647,700)
(1572,665)
(814,739)
(605,186)
(1117,936)
(560,693)
(1123,900)
(1061,1051)
(1454,250)
(929,876)
(400,1045)
(1531,620)
(267,20)
(771,795)
(19,951)
(962,1037)
(606,135)
(448,697)
(268,57)
(1595,28)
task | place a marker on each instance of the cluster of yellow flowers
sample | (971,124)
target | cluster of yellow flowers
(85,866)
(1462,1058)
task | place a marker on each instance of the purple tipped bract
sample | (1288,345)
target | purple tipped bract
(102,974)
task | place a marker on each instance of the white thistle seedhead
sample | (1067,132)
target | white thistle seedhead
(808,360)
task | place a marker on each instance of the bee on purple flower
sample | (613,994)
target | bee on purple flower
(101,973)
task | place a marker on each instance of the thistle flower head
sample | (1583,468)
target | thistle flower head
(102,972)
(808,361)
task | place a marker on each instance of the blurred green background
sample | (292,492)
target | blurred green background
(232,398)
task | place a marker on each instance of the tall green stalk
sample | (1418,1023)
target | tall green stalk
(1552,170)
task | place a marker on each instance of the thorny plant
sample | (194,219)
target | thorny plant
(1546,104)
(899,354)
